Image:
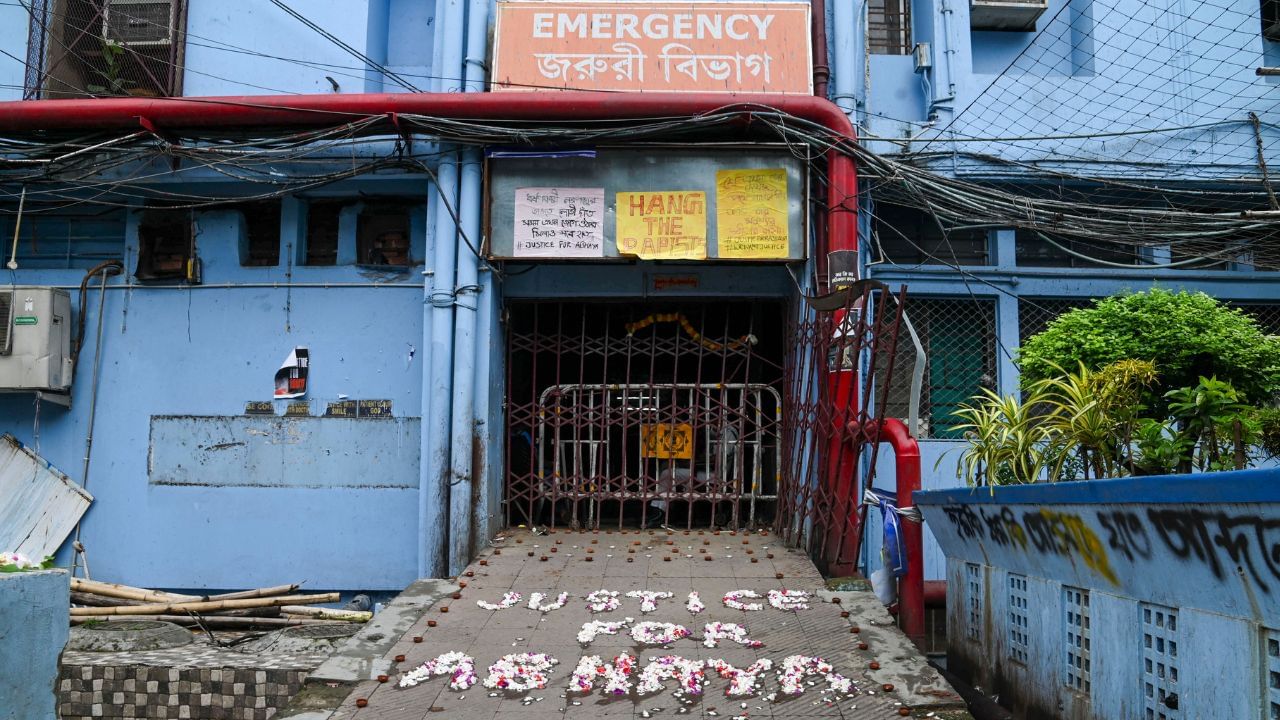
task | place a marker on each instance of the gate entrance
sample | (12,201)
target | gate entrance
(644,414)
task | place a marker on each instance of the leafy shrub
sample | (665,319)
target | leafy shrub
(1186,335)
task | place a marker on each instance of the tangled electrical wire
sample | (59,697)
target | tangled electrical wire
(125,169)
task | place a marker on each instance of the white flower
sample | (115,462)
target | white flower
(656,633)
(712,633)
(789,599)
(688,672)
(741,681)
(463,668)
(593,628)
(733,600)
(520,672)
(649,598)
(535,602)
(694,604)
(507,601)
(797,667)
(22,561)
(603,601)
(616,676)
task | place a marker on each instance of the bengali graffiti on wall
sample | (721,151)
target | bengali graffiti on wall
(1113,542)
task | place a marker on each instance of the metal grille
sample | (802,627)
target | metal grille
(1160,662)
(99,48)
(1035,314)
(1078,673)
(621,414)
(1019,620)
(1272,641)
(889,27)
(6,321)
(827,408)
(973,577)
(959,339)
(1267,315)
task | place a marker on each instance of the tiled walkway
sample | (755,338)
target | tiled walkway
(578,563)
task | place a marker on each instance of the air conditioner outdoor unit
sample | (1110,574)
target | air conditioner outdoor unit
(35,339)
(1018,15)
(139,23)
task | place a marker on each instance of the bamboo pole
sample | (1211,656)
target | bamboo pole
(212,621)
(82,598)
(128,592)
(259,593)
(328,613)
(208,605)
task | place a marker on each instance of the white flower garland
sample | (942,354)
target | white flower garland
(603,601)
(694,604)
(649,598)
(733,600)
(789,599)
(535,602)
(688,672)
(712,633)
(796,667)
(520,672)
(508,600)
(741,681)
(657,633)
(616,676)
(593,628)
(462,666)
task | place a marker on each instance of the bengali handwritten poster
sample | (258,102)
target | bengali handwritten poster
(662,225)
(751,213)
(559,222)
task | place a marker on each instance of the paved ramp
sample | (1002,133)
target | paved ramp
(850,631)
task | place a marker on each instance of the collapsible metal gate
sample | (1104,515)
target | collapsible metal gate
(642,415)
(700,414)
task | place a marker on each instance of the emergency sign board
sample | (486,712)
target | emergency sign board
(676,203)
(691,46)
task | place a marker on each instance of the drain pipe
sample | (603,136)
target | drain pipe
(906,451)
(465,478)
(434,463)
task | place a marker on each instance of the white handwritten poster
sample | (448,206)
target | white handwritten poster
(559,222)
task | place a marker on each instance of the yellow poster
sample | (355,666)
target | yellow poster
(751,213)
(662,225)
(666,442)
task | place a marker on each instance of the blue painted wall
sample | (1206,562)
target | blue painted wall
(1175,574)
(34,608)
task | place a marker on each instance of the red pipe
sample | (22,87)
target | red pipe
(906,453)
(298,111)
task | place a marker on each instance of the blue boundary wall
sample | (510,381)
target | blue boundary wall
(1110,598)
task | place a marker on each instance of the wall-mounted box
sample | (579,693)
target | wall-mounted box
(35,339)
(1016,15)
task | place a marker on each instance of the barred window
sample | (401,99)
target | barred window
(105,48)
(1031,250)
(907,236)
(889,27)
(959,339)
(1267,315)
(1035,314)
(57,238)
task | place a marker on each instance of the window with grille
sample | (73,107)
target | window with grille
(260,243)
(959,339)
(889,27)
(166,244)
(1271,19)
(322,232)
(1160,662)
(1077,636)
(973,578)
(1271,656)
(1019,619)
(382,233)
(105,48)
(63,238)
(910,237)
(1267,315)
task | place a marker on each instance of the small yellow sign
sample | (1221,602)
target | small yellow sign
(662,225)
(751,213)
(666,441)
